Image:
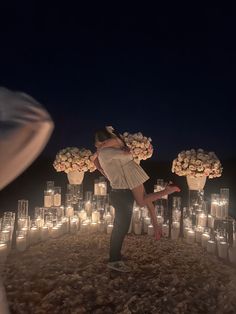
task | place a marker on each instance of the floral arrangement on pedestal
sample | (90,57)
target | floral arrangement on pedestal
(140,145)
(197,163)
(74,159)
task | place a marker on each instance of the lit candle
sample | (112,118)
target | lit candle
(21,243)
(147,221)
(219,211)
(44,233)
(138,228)
(96,188)
(191,236)
(109,228)
(57,199)
(34,235)
(211,221)
(150,230)
(94,227)
(73,225)
(112,211)
(199,232)
(69,211)
(205,239)
(211,246)
(6,236)
(84,227)
(95,216)
(102,188)
(25,231)
(39,222)
(108,218)
(3,252)
(214,207)
(160,220)
(224,208)
(101,226)
(175,230)
(136,214)
(202,220)
(186,229)
(165,230)
(48,198)
(82,215)
(88,208)
(223,249)
(219,239)
(55,232)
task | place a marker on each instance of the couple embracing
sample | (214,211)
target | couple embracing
(114,160)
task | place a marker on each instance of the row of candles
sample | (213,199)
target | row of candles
(53,219)
(220,204)
(95,214)
(213,228)
(53,224)
(52,194)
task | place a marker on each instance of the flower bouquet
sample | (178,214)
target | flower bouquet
(197,163)
(74,161)
(140,146)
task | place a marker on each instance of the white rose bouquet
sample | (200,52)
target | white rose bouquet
(197,163)
(73,158)
(140,146)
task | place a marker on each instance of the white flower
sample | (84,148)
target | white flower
(197,163)
(73,158)
(140,146)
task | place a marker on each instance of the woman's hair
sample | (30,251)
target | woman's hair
(102,135)
(107,133)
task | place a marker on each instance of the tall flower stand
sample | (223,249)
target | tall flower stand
(195,195)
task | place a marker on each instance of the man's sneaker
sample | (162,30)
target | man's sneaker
(119,266)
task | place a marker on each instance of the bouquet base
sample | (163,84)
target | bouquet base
(75,177)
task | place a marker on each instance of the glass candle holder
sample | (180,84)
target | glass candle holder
(50,185)
(224,202)
(190,236)
(215,202)
(102,185)
(211,246)
(88,196)
(175,230)
(22,210)
(202,220)
(160,186)
(176,202)
(57,196)
(48,198)
(96,187)
(3,252)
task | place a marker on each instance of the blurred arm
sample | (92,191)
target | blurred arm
(25,128)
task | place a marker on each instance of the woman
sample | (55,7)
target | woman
(126,179)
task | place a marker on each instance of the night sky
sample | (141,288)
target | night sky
(167,71)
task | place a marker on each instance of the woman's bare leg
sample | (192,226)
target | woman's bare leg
(139,194)
(152,212)
(143,199)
